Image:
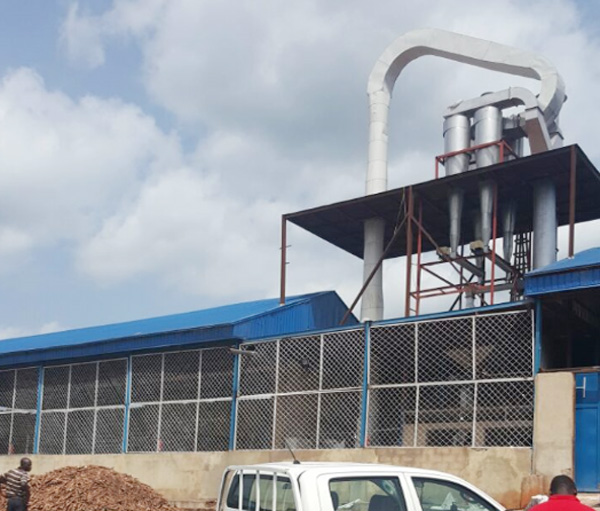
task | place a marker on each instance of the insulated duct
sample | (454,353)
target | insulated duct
(448,45)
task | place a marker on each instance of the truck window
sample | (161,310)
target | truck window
(440,495)
(284,494)
(366,494)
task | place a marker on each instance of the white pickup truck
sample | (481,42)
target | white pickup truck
(346,486)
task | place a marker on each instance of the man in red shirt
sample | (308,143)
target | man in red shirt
(562,497)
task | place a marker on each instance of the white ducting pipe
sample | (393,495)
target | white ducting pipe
(544,223)
(488,128)
(457,136)
(448,45)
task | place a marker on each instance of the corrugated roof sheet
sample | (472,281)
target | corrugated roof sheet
(226,324)
(590,257)
(582,271)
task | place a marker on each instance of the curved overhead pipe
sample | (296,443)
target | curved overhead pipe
(451,46)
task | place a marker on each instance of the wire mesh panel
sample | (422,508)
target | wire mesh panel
(178,427)
(296,421)
(26,392)
(392,354)
(213,425)
(445,415)
(181,376)
(52,433)
(143,429)
(299,364)
(504,345)
(505,414)
(112,382)
(109,430)
(83,385)
(146,371)
(80,432)
(7,389)
(343,359)
(445,350)
(258,370)
(339,421)
(254,423)
(56,388)
(5,426)
(392,416)
(23,433)
(216,373)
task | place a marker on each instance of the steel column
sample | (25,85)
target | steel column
(572,192)
(409,236)
(419,249)
(283,259)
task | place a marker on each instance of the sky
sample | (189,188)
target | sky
(148,148)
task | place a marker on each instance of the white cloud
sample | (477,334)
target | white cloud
(65,165)
(276,93)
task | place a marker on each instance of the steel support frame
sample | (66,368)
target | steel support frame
(490,285)
(503,147)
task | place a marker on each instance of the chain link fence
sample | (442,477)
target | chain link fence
(18,406)
(464,381)
(453,382)
(181,401)
(301,392)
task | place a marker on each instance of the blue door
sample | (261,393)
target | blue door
(587,432)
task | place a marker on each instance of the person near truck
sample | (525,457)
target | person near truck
(16,483)
(563,497)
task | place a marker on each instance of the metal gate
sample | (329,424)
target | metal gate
(587,432)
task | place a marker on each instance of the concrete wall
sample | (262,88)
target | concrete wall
(191,479)
(554,424)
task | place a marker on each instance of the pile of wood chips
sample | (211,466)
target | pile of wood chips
(91,488)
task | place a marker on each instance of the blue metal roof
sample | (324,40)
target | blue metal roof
(228,324)
(582,271)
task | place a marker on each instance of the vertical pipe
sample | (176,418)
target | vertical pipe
(234,393)
(38,410)
(365,387)
(419,249)
(488,128)
(372,299)
(409,236)
(283,259)
(572,192)
(544,223)
(509,207)
(457,137)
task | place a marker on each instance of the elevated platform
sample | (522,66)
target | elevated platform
(342,223)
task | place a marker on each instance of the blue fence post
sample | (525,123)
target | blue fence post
(537,352)
(234,390)
(365,387)
(127,406)
(38,410)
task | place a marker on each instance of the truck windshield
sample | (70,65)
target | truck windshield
(281,493)
(366,494)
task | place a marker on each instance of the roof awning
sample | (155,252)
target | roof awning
(342,223)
